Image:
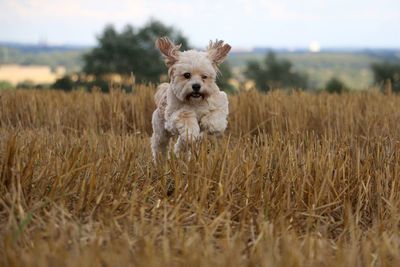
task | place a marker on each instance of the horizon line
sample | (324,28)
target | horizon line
(237,49)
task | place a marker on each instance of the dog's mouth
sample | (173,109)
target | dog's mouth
(195,95)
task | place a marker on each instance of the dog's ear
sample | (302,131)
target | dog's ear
(218,51)
(169,50)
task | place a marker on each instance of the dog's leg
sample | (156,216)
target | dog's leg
(179,145)
(188,129)
(216,122)
(160,137)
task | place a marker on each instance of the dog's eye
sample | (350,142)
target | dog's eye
(187,75)
(204,77)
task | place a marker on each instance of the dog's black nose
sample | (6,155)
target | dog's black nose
(196,87)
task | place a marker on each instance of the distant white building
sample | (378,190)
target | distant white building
(314,47)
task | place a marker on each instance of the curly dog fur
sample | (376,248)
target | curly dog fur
(191,103)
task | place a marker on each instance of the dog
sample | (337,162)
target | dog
(191,103)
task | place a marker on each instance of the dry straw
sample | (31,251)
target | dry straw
(299,179)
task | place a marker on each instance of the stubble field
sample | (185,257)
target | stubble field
(299,179)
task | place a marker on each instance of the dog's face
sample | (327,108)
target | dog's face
(193,73)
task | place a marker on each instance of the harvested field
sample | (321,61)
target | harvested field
(299,179)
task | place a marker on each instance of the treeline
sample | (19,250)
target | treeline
(71,59)
(129,56)
(274,73)
(123,58)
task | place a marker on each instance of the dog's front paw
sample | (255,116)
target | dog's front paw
(204,125)
(213,125)
(207,127)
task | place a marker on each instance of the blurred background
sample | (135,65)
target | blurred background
(333,45)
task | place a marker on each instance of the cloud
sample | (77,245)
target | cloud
(74,9)
(278,10)
(244,21)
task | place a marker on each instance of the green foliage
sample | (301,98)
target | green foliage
(274,73)
(224,76)
(131,51)
(335,85)
(385,71)
(5,85)
(64,83)
(80,81)
(27,84)
(352,67)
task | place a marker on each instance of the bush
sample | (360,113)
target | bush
(384,72)
(335,85)
(27,84)
(64,83)
(5,85)
(82,81)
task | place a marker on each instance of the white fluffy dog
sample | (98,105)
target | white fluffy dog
(192,102)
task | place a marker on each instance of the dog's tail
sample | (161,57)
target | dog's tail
(161,93)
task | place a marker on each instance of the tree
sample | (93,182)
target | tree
(152,63)
(384,72)
(131,50)
(334,85)
(274,73)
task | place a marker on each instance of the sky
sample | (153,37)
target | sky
(242,23)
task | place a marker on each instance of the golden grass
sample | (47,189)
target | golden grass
(298,180)
(15,74)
